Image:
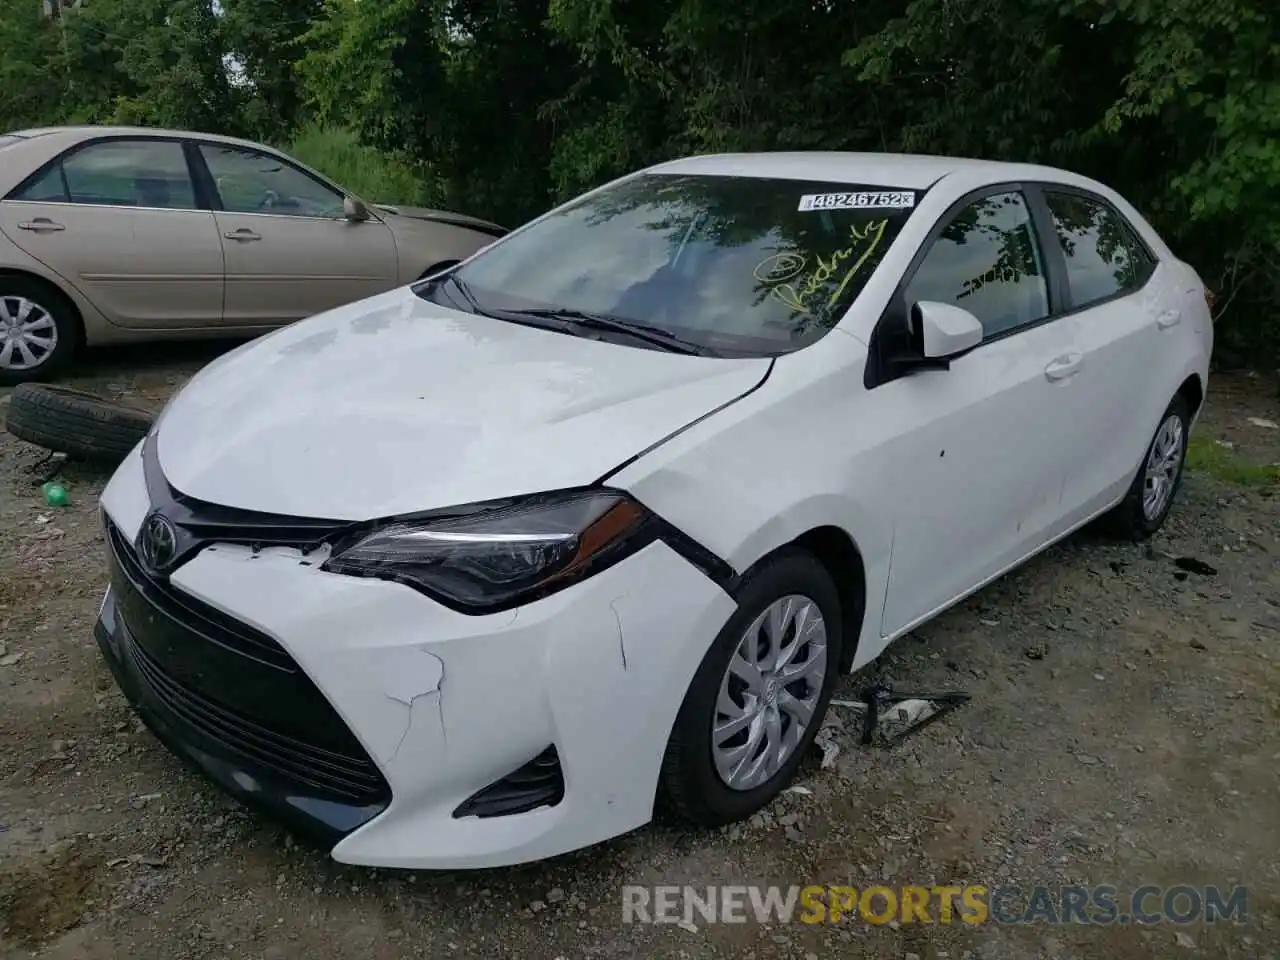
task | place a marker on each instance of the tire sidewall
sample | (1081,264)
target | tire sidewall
(56,305)
(793,572)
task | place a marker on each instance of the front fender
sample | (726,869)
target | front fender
(763,471)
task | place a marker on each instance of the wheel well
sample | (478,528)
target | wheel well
(1192,391)
(437,267)
(836,551)
(53,288)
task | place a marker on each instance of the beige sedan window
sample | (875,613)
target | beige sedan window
(119,173)
(251,182)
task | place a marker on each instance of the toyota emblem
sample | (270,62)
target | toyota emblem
(157,543)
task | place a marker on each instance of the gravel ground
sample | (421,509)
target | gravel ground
(1121,731)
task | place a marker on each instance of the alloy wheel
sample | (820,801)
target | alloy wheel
(28,334)
(1163,463)
(769,692)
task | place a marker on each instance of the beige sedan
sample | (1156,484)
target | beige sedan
(110,234)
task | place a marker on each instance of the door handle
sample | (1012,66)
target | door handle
(1168,319)
(41,225)
(1067,365)
(244,233)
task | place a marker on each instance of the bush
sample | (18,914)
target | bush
(365,171)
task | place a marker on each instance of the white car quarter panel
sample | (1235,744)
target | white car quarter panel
(447,703)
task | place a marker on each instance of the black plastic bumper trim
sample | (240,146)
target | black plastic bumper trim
(301,808)
(538,783)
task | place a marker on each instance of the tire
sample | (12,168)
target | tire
(78,424)
(691,786)
(23,302)
(1131,519)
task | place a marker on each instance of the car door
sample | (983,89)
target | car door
(120,220)
(289,250)
(1122,313)
(974,461)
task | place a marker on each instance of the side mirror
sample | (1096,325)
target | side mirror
(941,330)
(355,210)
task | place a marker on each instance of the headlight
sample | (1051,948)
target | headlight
(489,557)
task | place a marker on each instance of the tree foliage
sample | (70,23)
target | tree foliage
(514,105)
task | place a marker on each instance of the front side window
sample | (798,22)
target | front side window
(252,182)
(118,173)
(735,265)
(987,261)
(1104,258)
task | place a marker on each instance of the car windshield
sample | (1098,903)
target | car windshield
(729,265)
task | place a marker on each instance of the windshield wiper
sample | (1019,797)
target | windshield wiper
(602,321)
(578,318)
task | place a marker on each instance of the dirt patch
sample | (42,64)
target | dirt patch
(1122,731)
(43,896)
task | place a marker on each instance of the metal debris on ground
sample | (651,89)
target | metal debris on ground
(826,741)
(888,718)
(48,467)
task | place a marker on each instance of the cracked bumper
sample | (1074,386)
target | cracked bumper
(445,704)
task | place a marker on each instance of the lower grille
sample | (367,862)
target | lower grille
(234,692)
(350,778)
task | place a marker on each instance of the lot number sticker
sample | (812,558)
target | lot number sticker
(879,200)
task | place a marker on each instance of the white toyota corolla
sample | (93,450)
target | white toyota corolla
(479,571)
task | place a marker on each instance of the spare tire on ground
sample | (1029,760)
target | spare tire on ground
(81,425)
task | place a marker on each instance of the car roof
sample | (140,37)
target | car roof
(74,133)
(906,170)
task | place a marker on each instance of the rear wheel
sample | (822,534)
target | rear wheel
(759,695)
(38,330)
(1146,505)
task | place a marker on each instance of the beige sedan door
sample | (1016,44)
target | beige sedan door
(118,219)
(289,250)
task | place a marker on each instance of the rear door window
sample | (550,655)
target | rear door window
(130,173)
(1104,257)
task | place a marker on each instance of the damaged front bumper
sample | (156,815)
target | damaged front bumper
(221,745)
(444,706)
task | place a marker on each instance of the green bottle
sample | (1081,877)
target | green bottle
(55,494)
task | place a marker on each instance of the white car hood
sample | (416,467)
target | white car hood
(394,405)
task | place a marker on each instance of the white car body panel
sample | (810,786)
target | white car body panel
(943,479)
(406,406)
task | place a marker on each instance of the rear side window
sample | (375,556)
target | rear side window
(1104,256)
(987,261)
(118,173)
(47,188)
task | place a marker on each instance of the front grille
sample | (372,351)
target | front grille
(233,691)
(212,625)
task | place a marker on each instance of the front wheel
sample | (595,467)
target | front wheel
(759,695)
(1143,510)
